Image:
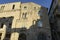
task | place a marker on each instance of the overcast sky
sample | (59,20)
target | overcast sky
(45,3)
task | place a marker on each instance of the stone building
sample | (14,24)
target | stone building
(24,21)
(57,20)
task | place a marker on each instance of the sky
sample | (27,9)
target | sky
(45,3)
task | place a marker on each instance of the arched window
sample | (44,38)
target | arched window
(24,15)
(40,13)
(22,36)
(2,7)
(42,36)
(34,8)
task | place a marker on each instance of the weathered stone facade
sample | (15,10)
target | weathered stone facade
(24,21)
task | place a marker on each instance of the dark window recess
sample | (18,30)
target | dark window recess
(24,15)
(13,7)
(22,36)
(40,13)
(25,7)
(34,7)
(2,25)
(2,7)
(20,6)
(0,35)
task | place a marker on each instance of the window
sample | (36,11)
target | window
(34,7)
(13,7)
(40,13)
(2,7)
(22,36)
(0,35)
(24,15)
(25,7)
(20,6)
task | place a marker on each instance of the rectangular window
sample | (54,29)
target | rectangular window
(24,15)
(13,7)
